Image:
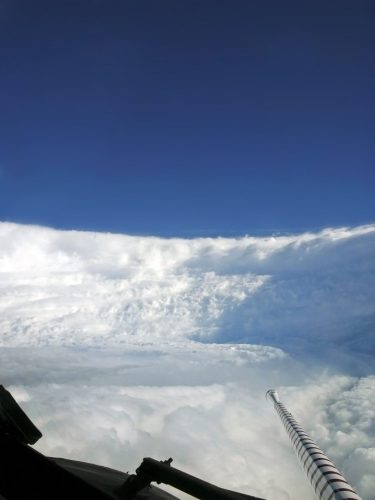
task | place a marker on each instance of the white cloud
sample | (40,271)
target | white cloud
(90,288)
(121,347)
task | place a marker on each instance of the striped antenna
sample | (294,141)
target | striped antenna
(327,481)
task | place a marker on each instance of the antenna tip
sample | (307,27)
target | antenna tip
(272,394)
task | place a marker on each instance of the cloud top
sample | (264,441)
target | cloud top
(295,292)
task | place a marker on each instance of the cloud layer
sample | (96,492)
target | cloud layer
(295,292)
(121,347)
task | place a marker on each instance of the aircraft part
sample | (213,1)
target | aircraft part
(325,478)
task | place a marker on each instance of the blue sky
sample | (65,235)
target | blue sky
(187,117)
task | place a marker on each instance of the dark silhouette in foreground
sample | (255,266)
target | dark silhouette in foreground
(26,473)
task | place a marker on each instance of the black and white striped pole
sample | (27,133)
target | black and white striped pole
(327,481)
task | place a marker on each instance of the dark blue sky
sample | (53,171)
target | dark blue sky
(187,117)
